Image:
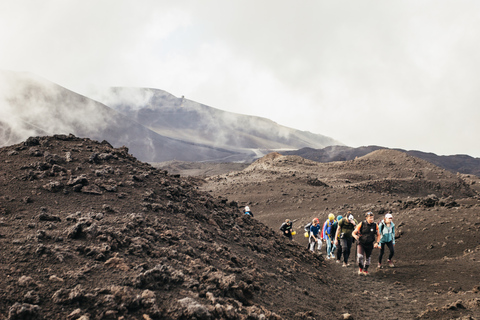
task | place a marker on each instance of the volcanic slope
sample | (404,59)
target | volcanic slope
(89,232)
(436,214)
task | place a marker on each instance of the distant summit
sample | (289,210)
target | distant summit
(153,124)
(180,118)
(455,163)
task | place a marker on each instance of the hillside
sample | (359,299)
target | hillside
(32,106)
(455,163)
(90,232)
(435,211)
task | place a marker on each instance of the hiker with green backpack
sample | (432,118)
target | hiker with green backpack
(344,236)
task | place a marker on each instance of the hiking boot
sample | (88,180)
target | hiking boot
(365,272)
(344,265)
(338,261)
(390,264)
(360,271)
(379,266)
(328,257)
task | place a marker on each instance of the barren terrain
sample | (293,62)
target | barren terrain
(89,232)
(436,214)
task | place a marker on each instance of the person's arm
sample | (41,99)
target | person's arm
(311,232)
(379,236)
(356,231)
(336,234)
(324,230)
(393,234)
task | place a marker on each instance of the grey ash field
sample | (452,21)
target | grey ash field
(89,232)
(436,212)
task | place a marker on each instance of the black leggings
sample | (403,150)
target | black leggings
(390,246)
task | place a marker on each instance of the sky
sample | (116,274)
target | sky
(399,74)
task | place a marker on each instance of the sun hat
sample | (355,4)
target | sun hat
(339,217)
(331,216)
(388,215)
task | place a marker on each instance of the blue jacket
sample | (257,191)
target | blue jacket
(388,234)
(315,229)
(328,230)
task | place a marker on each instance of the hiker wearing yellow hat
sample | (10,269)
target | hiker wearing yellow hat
(328,233)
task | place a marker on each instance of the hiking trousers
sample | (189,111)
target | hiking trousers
(330,246)
(390,246)
(312,244)
(364,255)
(346,244)
(339,250)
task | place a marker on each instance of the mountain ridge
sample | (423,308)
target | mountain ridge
(32,106)
(464,164)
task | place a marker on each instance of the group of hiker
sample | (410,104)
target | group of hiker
(339,233)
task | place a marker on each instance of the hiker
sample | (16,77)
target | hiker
(337,246)
(387,232)
(315,236)
(328,234)
(247,211)
(307,233)
(345,237)
(286,229)
(368,236)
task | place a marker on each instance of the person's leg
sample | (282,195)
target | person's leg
(346,254)
(382,251)
(368,255)
(391,247)
(319,245)
(312,244)
(360,257)
(329,247)
(339,251)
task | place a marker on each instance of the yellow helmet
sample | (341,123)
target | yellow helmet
(331,216)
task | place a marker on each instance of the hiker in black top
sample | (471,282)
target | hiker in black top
(368,238)
(286,228)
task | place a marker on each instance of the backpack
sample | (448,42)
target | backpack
(307,227)
(330,230)
(367,234)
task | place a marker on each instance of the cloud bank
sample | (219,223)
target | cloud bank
(397,74)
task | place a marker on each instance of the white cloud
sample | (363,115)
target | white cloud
(398,74)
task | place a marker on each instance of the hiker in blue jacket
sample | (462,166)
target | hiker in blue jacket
(328,233)
(387,232)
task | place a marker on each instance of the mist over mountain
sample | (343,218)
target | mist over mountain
(153,124)
(191,121)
